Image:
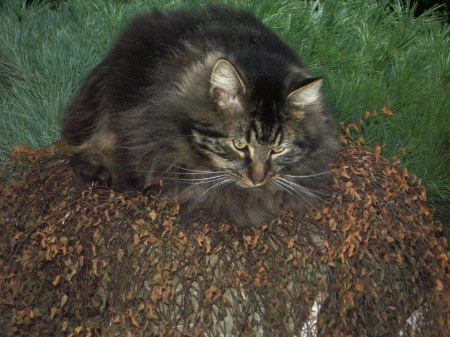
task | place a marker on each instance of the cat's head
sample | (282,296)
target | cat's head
(265,127)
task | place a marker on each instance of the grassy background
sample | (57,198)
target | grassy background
(371,53)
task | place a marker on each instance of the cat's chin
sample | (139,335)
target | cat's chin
(244,206)
(248,184)
(253,187)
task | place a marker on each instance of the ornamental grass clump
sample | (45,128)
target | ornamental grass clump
(94,262)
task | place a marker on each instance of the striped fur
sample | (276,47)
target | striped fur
(212,103)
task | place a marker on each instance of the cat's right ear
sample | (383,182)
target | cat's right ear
(227,87)
(308,93)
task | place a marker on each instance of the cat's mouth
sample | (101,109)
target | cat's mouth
(252,182)
(253,176)
(244,185)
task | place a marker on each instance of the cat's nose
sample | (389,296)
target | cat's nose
(257,174)
(257,179)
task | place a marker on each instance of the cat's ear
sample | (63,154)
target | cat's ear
(227,87)
(308,93)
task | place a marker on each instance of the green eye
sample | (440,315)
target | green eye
(278,149)
(240,145)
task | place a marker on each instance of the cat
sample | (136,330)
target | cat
(212,104)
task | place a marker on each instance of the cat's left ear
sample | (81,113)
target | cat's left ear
(308,93)
(227,86)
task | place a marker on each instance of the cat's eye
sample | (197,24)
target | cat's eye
(278,149)
(240,145)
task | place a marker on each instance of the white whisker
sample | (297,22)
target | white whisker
(218,181)
(196,181)
(175,172)
(215,186)
(299,188)
(186,169)
(277,183)
(293,189)
(307,189)
(312,190)
(308,176)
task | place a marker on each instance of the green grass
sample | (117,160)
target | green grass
(371,54)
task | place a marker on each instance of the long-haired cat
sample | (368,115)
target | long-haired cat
(213,104)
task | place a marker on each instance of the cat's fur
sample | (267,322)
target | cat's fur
(185,94)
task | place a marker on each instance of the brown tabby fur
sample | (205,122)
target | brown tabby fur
(214,105)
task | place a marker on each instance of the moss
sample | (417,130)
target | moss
(95,262)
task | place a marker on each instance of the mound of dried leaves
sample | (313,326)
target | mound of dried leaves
(95,262)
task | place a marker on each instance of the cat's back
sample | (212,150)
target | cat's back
(156,44)
(158,34)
